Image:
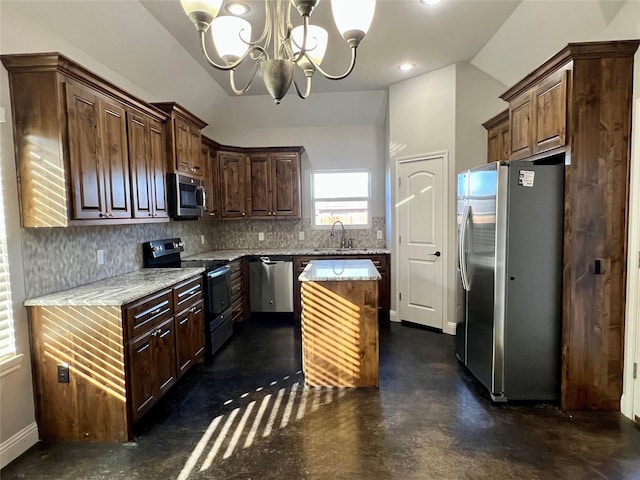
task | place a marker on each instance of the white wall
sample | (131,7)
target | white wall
(18,430)
(435,112)
(537,30)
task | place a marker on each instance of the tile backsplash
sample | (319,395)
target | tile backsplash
(60,258)
(284,234)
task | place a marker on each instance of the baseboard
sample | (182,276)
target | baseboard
(393,316)
(19,443)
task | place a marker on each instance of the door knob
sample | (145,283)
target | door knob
(437,254)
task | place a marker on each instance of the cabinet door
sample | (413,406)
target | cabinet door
(83,112)
(196,166)
(551,113)
(141,375)
(212,182)
(165,356)
(493,145)
(521,115)
(239,303)
(259,180)
(285,184)
(115,159)
(197,332)
(141,185)
(184,346)
(158,169)
(504,134)
(231,167)
(182,140)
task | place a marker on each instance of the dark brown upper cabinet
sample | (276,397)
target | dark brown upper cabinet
(274,183)
(148,166)
(498,137)
(184,140)
(232,181)
(74,143)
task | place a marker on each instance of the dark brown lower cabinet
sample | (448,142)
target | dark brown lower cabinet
(190,331)
(121,360)
(152,366)
(239,290)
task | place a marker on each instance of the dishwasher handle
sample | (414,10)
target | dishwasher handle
(267,261)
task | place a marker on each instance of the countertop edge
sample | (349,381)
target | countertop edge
(115,291)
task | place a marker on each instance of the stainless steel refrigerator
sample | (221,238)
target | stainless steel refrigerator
(510,230)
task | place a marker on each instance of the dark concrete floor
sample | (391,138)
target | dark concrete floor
(245,415)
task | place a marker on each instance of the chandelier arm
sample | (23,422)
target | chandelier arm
(231,66)
(306,94)
(266,32)
(336,77)
(232,80)
(303,47)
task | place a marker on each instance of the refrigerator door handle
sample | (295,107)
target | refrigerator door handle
(462,253)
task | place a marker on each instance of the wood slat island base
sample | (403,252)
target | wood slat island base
(340,327)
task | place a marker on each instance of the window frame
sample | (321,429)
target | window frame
(368,199)
(11,360)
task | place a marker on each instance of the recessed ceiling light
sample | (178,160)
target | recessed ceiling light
(405,67)
(430,2)
(235,8)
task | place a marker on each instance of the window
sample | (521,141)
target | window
(7,341)
(341,195)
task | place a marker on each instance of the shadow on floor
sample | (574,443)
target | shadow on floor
(246,415)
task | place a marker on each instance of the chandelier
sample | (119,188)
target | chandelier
(303,46)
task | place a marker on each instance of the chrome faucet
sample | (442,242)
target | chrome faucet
(343,242)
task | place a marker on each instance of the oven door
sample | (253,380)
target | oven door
(218,290)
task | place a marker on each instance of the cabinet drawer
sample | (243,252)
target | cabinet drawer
(148,312)
(187,292)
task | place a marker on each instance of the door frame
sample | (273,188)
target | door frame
(447,296)
(630,401)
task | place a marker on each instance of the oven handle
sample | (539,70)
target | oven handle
(217,272)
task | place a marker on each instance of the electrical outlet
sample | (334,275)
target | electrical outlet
(300,235)
(261,236)
(379,234)
(202,239)
(63,373)
(100,257)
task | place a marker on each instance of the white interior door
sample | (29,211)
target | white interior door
(421,209)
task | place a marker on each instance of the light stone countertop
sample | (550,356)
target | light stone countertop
(118,290)
(230,255)
(342,270)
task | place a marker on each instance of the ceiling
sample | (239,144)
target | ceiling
(431,37)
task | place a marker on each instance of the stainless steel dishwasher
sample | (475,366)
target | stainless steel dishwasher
(271,284)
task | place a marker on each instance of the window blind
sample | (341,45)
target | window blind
(7,342)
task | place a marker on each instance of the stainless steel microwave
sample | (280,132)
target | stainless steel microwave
(185,196)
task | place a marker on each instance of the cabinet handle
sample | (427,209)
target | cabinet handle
(243,214)
(142,349)
(185,320)
(193,309)
(103,215)
(165,333)
(156,311)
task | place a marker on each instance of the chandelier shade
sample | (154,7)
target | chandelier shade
(231,36)
(280,48)
(317,39)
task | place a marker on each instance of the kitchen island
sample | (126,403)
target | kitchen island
(340,323)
